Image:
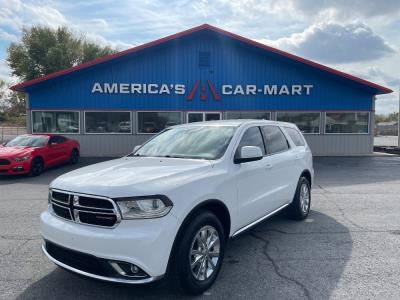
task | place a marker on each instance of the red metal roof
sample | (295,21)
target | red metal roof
(380,89)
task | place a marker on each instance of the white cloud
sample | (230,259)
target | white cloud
(115,44)
(347,9)
(45,15)
(5,72)
(351,35)
(6,36)
(379,76)
(10,4)
(15,14)
(336,43)
(388,103)
(9,11)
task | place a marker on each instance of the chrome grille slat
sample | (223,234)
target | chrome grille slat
(89,215)
(59,202)
(62,207)
(94,209)
(60,197)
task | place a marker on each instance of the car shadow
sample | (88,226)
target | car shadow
(276,259)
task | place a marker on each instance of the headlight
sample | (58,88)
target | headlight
(22,158)
(144,207)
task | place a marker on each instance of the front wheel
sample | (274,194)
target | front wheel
(300,206)
(74,158)
(200,253)
(37,166)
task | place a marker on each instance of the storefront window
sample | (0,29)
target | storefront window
(108,122)
(153,122)
(55,122)
(347,122)
(249,115)
(307,122)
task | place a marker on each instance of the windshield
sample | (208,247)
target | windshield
(199,142)
(28,140)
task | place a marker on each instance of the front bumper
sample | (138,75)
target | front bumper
(96,276)
(15,168)
(145,243)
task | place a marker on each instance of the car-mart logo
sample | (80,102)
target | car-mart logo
(203,93)
(200,88)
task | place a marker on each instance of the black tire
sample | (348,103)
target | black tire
(74,158)
(182,269)
(37,167)
(297,209)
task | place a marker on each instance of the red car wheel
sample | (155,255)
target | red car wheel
(36,166)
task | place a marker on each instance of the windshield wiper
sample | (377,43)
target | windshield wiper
(134,155)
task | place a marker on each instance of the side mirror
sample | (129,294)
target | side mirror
(249,153)
(136,148)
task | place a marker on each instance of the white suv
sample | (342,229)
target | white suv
(171,205)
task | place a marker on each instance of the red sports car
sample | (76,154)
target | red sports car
(32,153)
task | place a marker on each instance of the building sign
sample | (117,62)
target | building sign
(225,89)
(267,89)
(138,88)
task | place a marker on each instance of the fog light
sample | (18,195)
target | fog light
(18,169)
(128,270)
(134,269)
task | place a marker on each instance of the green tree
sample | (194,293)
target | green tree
(91,51)
(16,104)
(393,116)
(3,93)
(12,106)
(43,50)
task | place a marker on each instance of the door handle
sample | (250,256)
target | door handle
(268,166)
(298,156)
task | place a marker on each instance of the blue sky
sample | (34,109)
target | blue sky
(359,36)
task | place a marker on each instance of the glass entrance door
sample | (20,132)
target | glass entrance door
(203,116)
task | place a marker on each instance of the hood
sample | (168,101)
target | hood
(132,176)
(14,151)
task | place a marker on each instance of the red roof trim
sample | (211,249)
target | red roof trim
(382,89)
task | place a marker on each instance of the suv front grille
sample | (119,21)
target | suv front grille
(4,162)
(85,209)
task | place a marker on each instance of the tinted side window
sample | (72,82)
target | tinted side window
(61,139)
(275,139)
(252,137)
(57,139)
(295,136)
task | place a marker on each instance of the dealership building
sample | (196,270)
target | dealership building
(205,73)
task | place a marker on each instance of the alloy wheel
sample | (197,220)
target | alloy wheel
(37,167)
(204,253)
(304,198)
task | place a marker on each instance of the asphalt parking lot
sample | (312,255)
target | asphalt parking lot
(347,249)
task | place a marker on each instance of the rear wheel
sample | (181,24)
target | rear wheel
(74,158)
(199,255)
(300,206)
(36,166)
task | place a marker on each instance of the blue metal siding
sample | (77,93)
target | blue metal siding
(177,62)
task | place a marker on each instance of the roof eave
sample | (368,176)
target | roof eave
(378,88)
